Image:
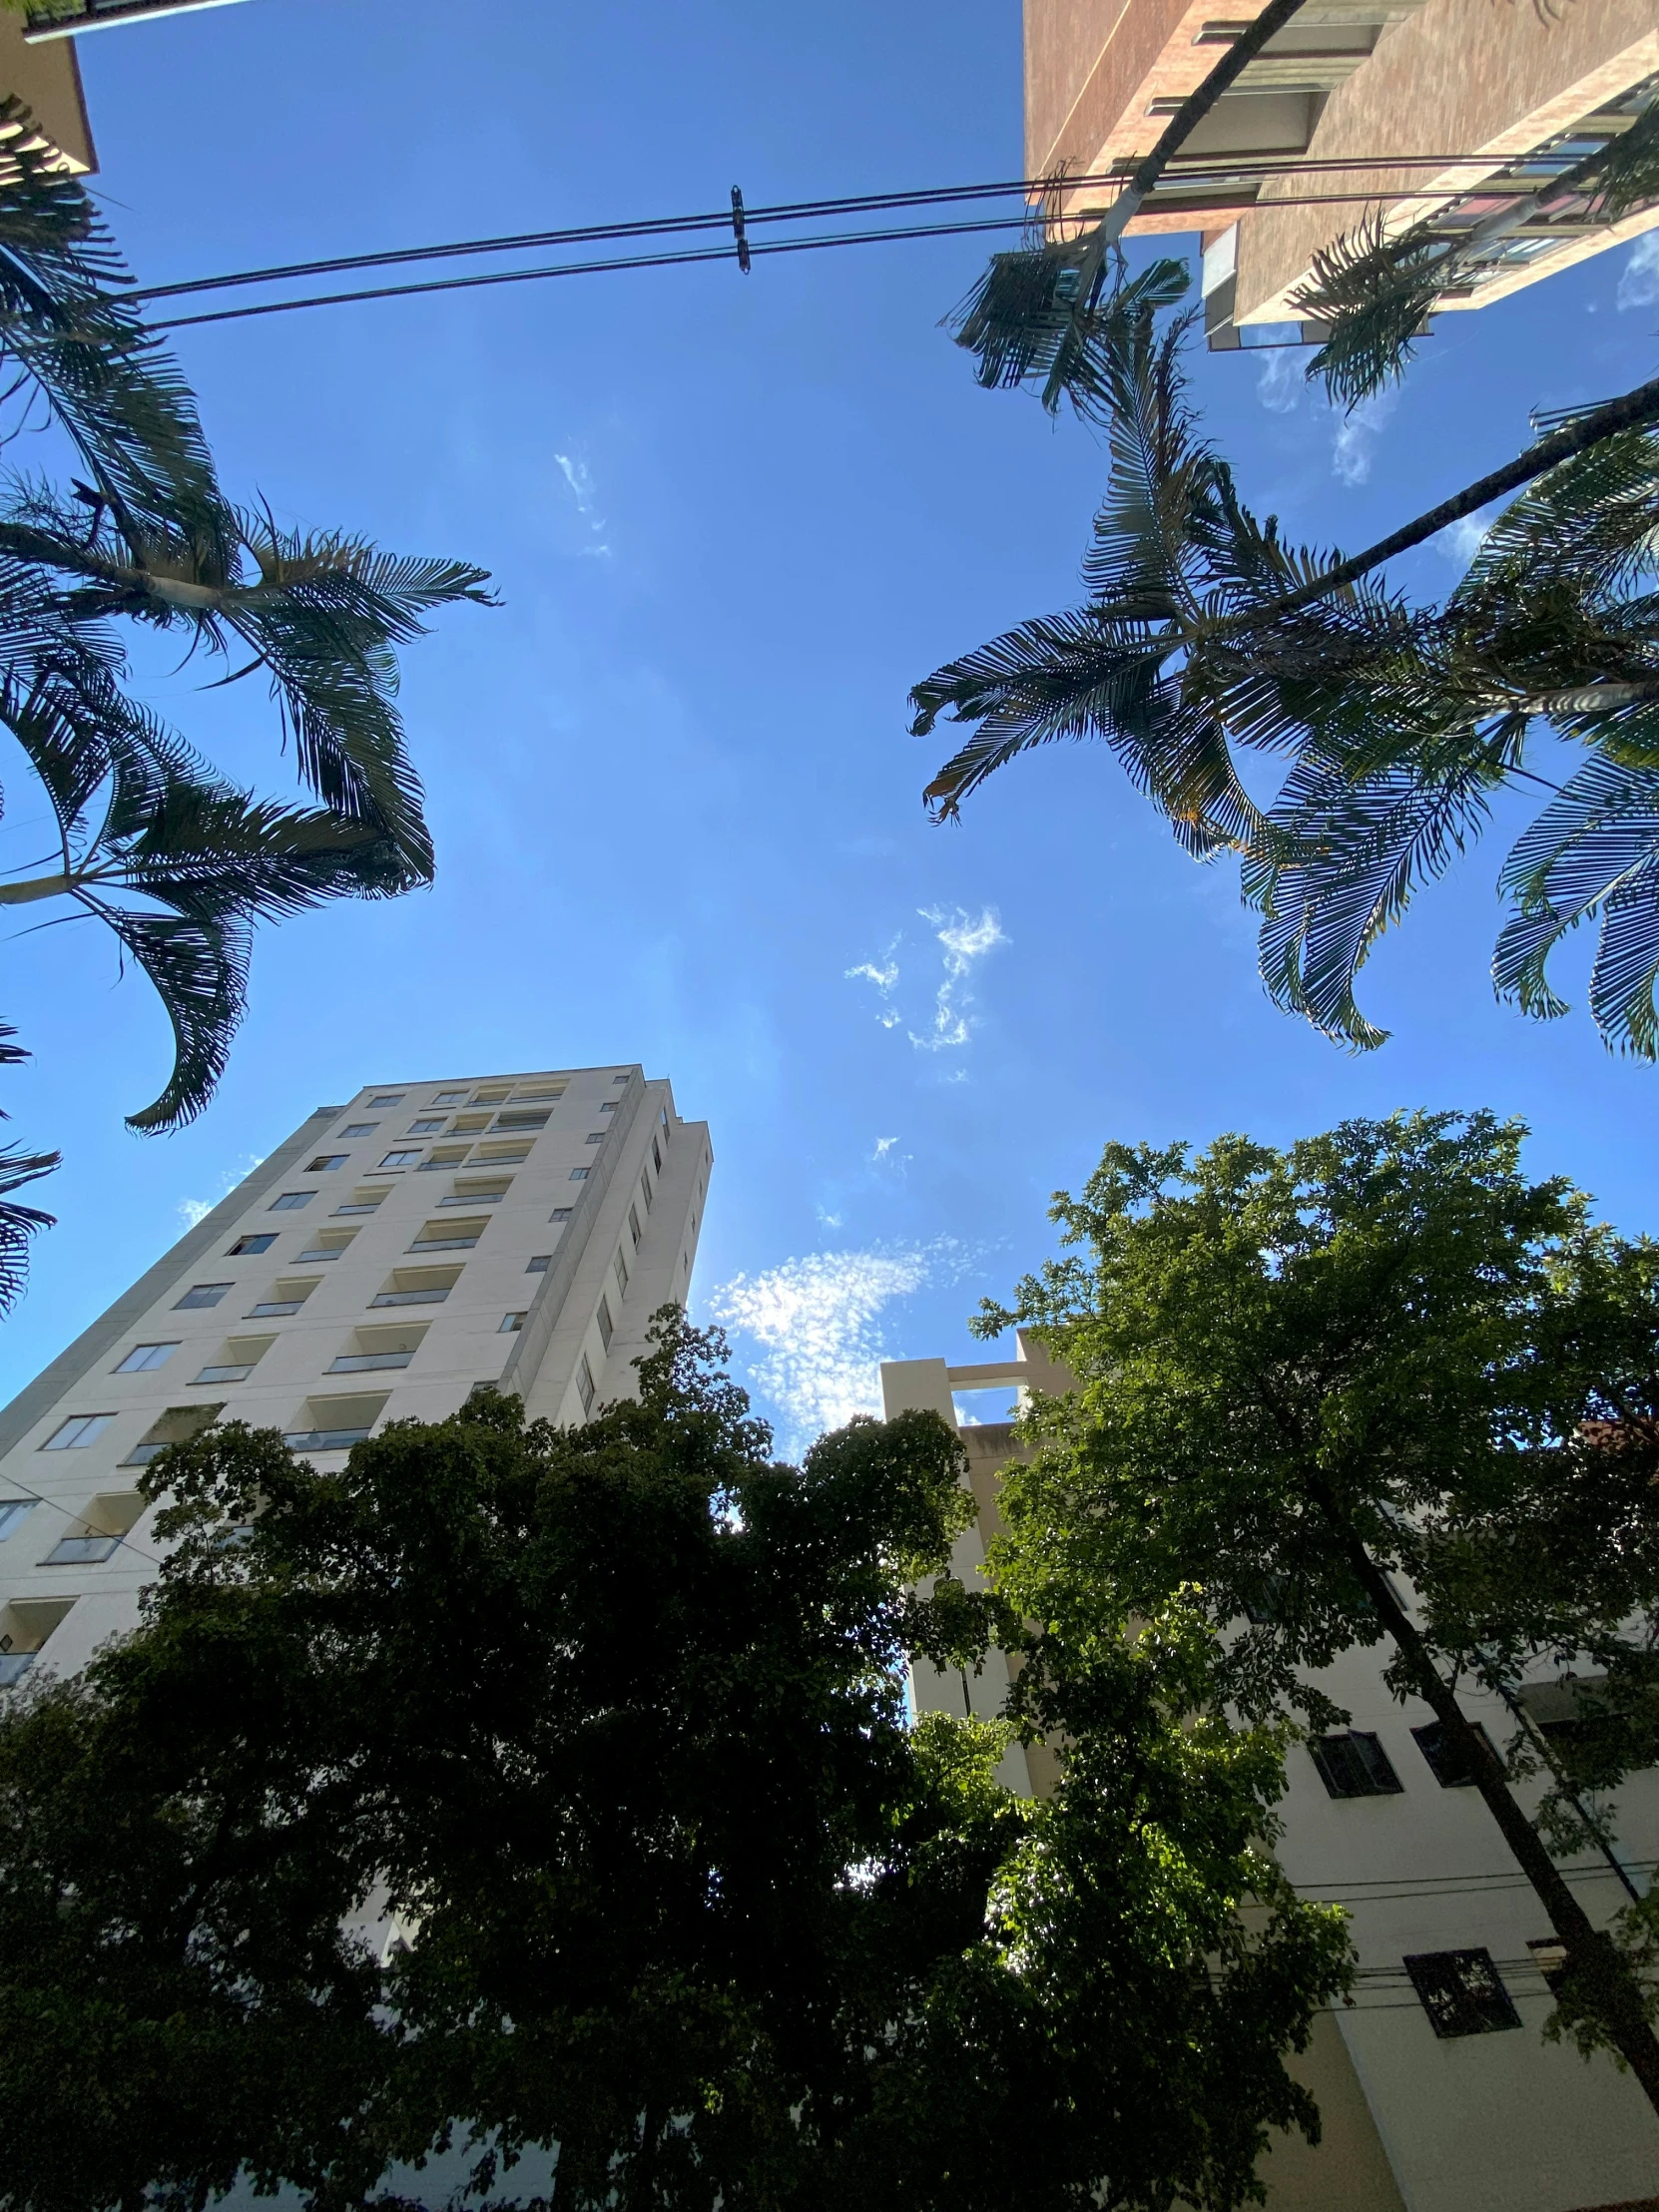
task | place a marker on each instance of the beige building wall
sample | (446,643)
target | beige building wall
(394,1252)
(1413,2122)
(1374,83)
(47,79)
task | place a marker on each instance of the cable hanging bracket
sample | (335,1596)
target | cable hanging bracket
(738,231)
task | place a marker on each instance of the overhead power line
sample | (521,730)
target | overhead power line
(1183,187)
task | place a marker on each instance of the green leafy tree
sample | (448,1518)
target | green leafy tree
(607,1725)
(1382,1353)
(179,862)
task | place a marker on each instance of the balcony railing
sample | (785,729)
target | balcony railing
(225,1375)
(324,1440)
(357,1363)
(410,1298)
(82,1551)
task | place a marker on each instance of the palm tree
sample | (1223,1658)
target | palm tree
(1372,292)
(1204,632)
(177,861)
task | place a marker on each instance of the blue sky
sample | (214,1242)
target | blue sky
(732,520)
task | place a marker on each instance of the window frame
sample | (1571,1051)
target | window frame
(61,1440)
(133,1365)
(191,1303)
(1371,1766)
(1444,1982)
(291,1202)
(255,1241)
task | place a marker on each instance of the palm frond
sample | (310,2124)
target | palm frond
(199,970)
(112,386)
(1361,848)
(1625,175)
(19,1223)
(1035,315)
(1593,519)
(1370,291)
(1593,850)
(1161,504)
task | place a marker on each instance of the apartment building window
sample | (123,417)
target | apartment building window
(609,1106)
(1461,1993)
(578,1175)
(620,1266)
(377,1347)
(292,1201)
(330,1243)
(541,1264)
(418,1287)
(634,1230)
(245,1246)
(13,1513)
(202,1294)
(655,1157)
(78,1431)
(326,1162)
(584,1384)
(561,1212)
(334,1423)
(387,1098)
(511,1324)
(645,1186)
(450,1098)
(607,1327)
(596,1136)
(513,1118)
(491,1094)
(1354,1764)
(359,1129)
(620,1079)
(427,1128)
(360,1202)
(1445,1760)
(143,1358)
(403,1159)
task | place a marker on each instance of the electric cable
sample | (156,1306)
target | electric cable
(1186,186)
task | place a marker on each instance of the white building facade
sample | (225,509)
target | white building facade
(388,1257)
(1437,2090)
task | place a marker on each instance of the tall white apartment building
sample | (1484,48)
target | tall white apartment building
(388,1257)
(1437,2092)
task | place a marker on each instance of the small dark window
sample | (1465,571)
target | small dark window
(584,1384)
(578,1175)
(387,1098)
(619,1078)
(607,1328)
(292,1201)
(596,1136)
(245,1244)
(427,1127)
(511,1324)
(1263,1605)
(1549,1955)
(359,1129)
(1446,1762)
(563,1213)
(541,1264)
(202,1294)
(634,1226)
(1353,1765)
(326,1161)
(656,1156)
(609,1106)
(1461,1993)
(403,1159)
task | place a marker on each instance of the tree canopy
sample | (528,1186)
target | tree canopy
(556,1787)
(1382,1351)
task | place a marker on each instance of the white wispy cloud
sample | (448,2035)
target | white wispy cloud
(193,1210)
(883,1145)
(883,973)
(575,474)
(1353,446)
(817,1324)
(965,940)
(1462,540)
(1279,382)
(1639,277)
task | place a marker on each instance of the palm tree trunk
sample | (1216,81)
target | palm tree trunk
(1631,412)
(1185,121)
(36,887)
(1604,1980)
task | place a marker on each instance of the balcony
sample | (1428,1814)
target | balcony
(14,1665)
(410,1298)
(83,1551)
(324,1440)
(225,1375)
(358,1363)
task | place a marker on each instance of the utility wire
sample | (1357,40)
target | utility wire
(1245,170)
(1219,178)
